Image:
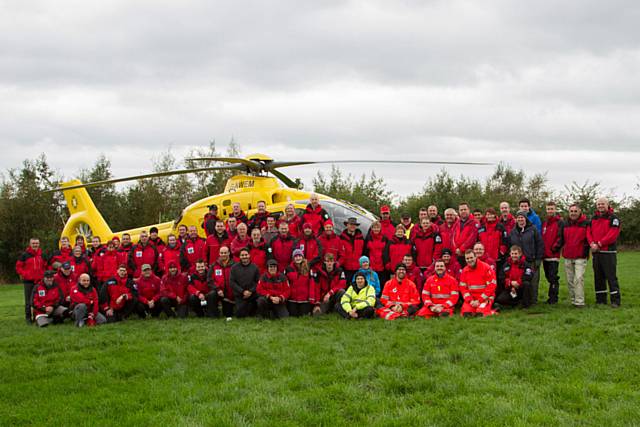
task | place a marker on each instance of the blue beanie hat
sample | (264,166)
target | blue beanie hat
(363,259)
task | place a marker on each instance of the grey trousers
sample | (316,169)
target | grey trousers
(80,313)
(57,315)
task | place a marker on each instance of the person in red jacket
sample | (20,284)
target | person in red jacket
(202,295)
(173,292)
(85,303)
(273,291)
(238,214)
(400,298)
(148,288)
(210,220)
(518,273)
(451,265)
(30,267)
(439,294)
(465,233)
(124,248)
(258,250)
(63,254)
(477,286)
(118,300)
(259,219)
(293,221)
(396,248)
(414,273)
(281,247)
(95,249)
(66,280)
(353,244)
(105,264)
(192,249)
(310,245)
(374,245)
(387,226)
(493,236)
(298,274)
(331,242)
(155,240)
(80,241)
(507,220)
(427,243)
(240,241)
(182,234)
(215,241)
(219,275)
(575,250)
(447,229)
(170,253)
(432,212)
(483,256)
(232,227)
(80,264)
(48,301)
(315,214)
(552,238)
(602,235)
(328,286)
(142,253)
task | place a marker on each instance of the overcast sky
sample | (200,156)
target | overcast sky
(546,86)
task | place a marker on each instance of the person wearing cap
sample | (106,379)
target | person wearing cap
(118,301)
(65,279)
(142,253)
(170,253)
(400,298)
(258,250)
(359,300)
(219,276)
(451,265)
(528,238)
(353,243)
(405,221)
(155,240)
(310,245)
(439,294)
(210,219)
(273,290)
(271,228)
(331,243)
(327,286)
(465,232)
(315,214)
(396,248)
(432,213)
(63,254)
(147,287)
(85,303)
(30,266)
(281,247)
(259,219)
(477,287)
(298,275)
(48,301)
(202,292)
(173,292)
(244,278)
(105,264)
(215,241)
(369,274)
(192,250)
(374,245)
(387,226)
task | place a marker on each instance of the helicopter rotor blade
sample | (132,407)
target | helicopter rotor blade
(250,164)
(417,162)
(282,177)
(145,176)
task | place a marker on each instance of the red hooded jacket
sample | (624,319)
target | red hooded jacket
(374,245)
(316,217)
(275,285)
(427,245)
(574,239)
(31,265)
(552,236)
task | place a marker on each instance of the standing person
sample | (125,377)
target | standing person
(602,235)
(281,247)
(148,287)
(170,253)
(465,232)
(273,291)
(95,249)
(244,278)
(439,294)
(30,267)
(507,220)
(359,300)
(427,243)
(258,250)
(219,280)
(331,243)
(422,214)
(353,243)
(405,221)
(259,219)
(432,212)
(143,253)
(387,226)
(193,249)
(310,245)
(182,234)
(298,275)
(477,286)
(48,301)
(293,221)
(447,229)
(105,264)
(84,303)
(63,254)
(173,291)
(532,216)
(328,285)
(400,298)
(575,250)
(527,237)
(493,236)
(232,227)
(477,215)
(66,280)
(210,219)
(155,240)
(215,241)
(123,252)
(80,264)
(315,214)
(374,245)
(238,214)
(202,295)
(396,249)
(552,238)
(239,242)
(271,229)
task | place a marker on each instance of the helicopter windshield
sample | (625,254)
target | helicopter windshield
(340,211)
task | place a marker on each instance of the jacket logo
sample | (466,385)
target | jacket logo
(527,271)
(190,251)
(615,222)
(41,293)
(302,247)
(218,272)
(395,290)
(138,254)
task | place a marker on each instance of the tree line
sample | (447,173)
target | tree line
(26,210)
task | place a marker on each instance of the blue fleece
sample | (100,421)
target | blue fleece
(535,219)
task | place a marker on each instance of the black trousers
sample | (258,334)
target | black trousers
(524,296)
(28,298)
(365,313)
(210,309)
(266,308)
(298,309)
(245,307)
(551,274)
(326,307)
(171,308)
(143,309)
(604,270)
(123,313)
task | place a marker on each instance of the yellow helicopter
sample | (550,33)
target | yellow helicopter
(247,188)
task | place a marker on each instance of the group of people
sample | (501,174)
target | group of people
(296,265)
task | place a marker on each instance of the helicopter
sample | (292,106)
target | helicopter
(251,185)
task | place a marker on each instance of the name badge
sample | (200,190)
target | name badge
(218,272)
(138,254)
(190,251)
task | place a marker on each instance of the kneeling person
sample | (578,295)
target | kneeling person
(48,301)
(202,298)
(400,297)
(478,287)
(518,273)
(84,302)
(273,291)
(119,301)
(359,300)
(440,293)
(173,291)
(148,286)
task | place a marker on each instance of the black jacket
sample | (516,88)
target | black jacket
(243,278)
(529,239)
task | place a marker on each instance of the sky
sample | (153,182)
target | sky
(550,87)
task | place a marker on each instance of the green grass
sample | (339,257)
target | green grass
(548,366)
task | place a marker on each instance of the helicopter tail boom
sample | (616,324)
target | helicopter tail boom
(85,219)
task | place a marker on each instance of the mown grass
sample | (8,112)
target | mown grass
(548,366)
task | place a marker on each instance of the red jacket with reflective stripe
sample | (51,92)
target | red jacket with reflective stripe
(478,283)
(403,293)
(604,230)
(440,290)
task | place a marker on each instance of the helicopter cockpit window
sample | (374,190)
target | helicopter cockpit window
(341,211)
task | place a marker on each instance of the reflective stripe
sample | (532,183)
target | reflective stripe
(450,303)
(477,287)
(463,284)
(454,292)
(601,292)
(389,314)
(466,294)
(484,296)
(614,292)
(441,295)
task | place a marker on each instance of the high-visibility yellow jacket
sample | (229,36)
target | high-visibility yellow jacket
(358,299)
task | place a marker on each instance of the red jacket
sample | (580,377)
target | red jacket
(326,283)
(115,291)
(388,228)
(414,273)
(105,265)
(604,230)
(191,251)
(495,239)
(300,285)
(44,297)
(61,255)
(427,245)
(395,250)
(198,284)
(65,282)
(219,277)
(213,245)
(552,236)
(209,223)
(31,265)
(173,287)
(295,225)
(259,254)
(374,245)
(281,249)
(143,254)
(311,247)
(509,223)
(80,266)
(353,249)
(519,271)
(574,239)
(241,217)
(258,220)
(478,283)
(87,296)
(275,285)
(167,256)
(316,217)
(453,269)
(465,234)
(403,293)
(446,234)
(148,288)
(123,257)
(332,244)
(488,260)
(440,290)
(158,243)
(237,245)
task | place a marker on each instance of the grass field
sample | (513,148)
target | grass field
(548,366)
